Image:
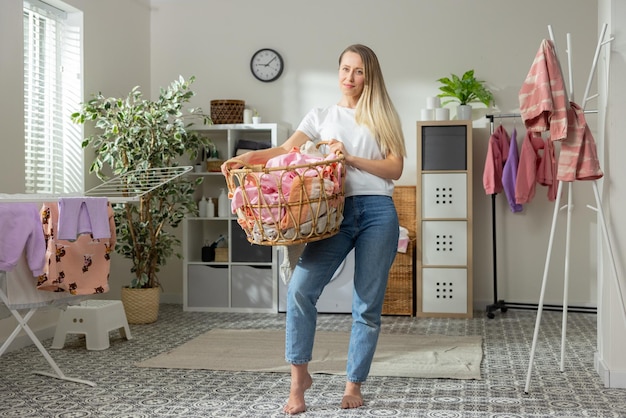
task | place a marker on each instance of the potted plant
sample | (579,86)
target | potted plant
(135,133)
(256,118)
(465,90)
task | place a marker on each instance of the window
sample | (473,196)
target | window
(52,91)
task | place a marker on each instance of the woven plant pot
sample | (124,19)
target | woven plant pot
(141,305)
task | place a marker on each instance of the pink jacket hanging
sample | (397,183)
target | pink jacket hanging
(542,97)
(536,165)
(497,153)
(578,159)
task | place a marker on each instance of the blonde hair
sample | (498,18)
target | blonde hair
(375,108)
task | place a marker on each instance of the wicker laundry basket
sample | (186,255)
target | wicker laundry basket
(306,203)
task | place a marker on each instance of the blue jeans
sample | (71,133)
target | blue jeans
(370,226)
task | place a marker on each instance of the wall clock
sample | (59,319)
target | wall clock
(266,65)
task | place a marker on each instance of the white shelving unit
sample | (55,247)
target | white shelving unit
(444,267)
(246,279)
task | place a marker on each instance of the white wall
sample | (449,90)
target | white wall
(116,58)
(610,360)
(148,43)
(417,42)
(137,42)
(12,103)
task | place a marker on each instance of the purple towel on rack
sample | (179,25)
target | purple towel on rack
(509,174)
(83,215)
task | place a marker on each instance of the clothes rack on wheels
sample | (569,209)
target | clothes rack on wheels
(498,303)
(126,188)
(569,207)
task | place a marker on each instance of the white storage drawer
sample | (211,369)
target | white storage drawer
(444,243)
(444,195)
(252,287)
(444,290)
(207,286)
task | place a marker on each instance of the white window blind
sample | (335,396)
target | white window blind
(52,91)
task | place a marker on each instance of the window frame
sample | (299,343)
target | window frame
(54,160)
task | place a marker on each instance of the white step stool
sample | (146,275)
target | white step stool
(94,318)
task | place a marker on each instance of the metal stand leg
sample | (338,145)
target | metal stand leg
(497,304)
(543,285)
(23,325)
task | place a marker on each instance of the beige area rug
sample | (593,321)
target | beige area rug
(423,356)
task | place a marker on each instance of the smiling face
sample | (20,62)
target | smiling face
(351,78)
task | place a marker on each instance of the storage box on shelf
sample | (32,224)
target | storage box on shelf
(243,277)
(444,219)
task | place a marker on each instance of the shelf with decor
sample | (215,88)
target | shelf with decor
(235,276)
(444,219)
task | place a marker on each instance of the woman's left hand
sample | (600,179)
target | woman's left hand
(337,147)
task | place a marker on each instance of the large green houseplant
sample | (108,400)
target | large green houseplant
(465,90)
(133,133)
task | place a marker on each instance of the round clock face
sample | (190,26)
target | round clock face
(266,64)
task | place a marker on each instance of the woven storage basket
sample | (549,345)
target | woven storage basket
(295,213)
(400,284)
(221,254)
(227,111)
(214,166)
(399,299)
(404,199)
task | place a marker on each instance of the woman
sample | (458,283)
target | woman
(365,128)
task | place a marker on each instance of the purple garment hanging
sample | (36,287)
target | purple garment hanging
(509,174)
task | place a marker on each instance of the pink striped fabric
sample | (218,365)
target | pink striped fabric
(542,97)
(578,159)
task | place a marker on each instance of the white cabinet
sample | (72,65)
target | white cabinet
(444,219)
(243,277)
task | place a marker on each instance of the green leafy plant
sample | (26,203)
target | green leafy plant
(133,133)
(465,89)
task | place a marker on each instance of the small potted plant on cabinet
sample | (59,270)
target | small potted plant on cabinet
(133,133)
(464,90)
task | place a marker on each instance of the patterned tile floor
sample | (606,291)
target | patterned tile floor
(124,390)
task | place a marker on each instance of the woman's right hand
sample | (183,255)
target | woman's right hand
(246,159)
(260,157)
(234,163)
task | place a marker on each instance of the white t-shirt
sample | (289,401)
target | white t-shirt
(336,122)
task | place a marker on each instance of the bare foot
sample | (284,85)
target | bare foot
(300,381)
(352,397)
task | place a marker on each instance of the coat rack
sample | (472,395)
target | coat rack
(569,208)
(501,304)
